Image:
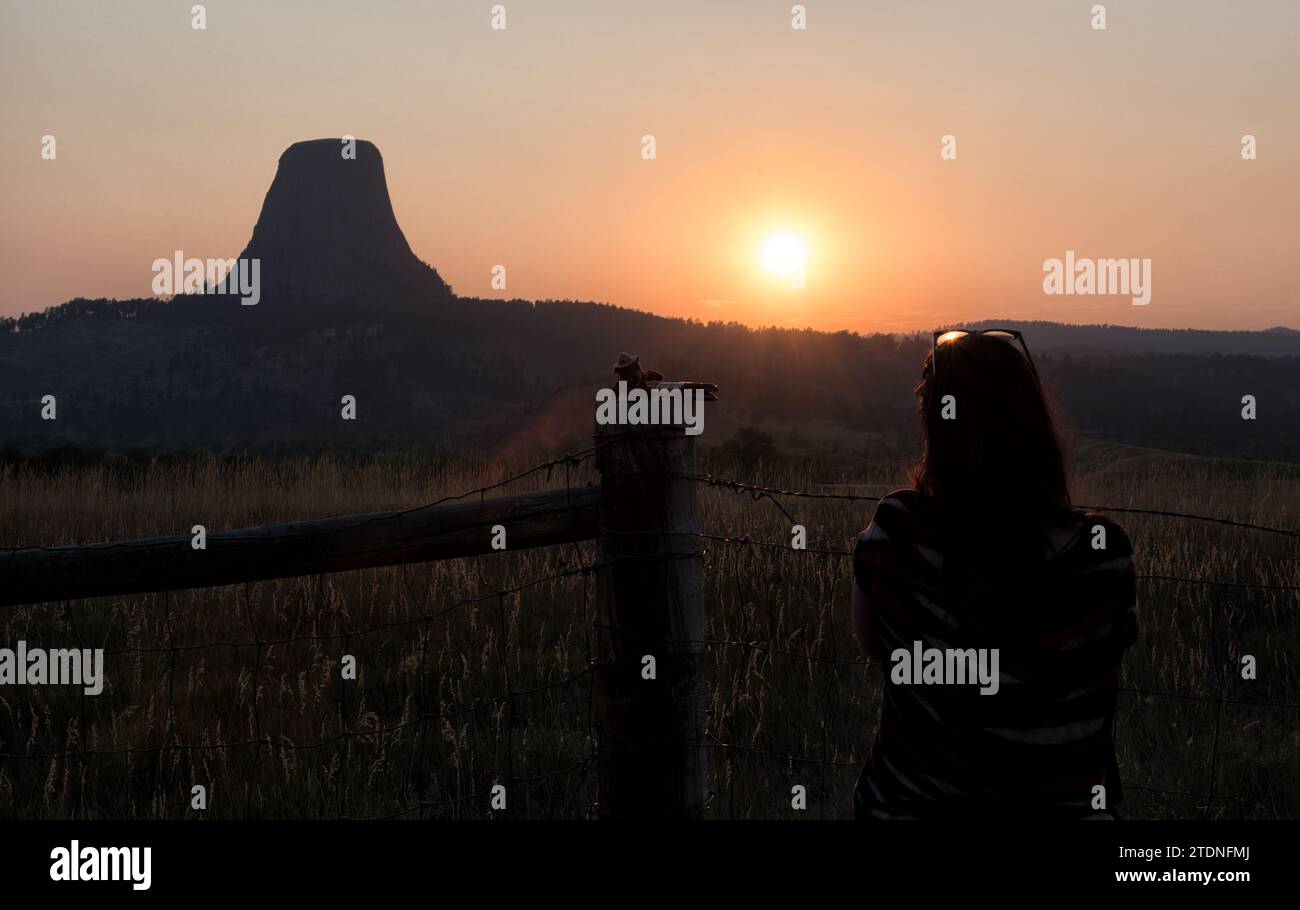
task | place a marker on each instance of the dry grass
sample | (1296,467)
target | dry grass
(445,639)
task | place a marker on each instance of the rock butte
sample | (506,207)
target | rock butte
(328,240)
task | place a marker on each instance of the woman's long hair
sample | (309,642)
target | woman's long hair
(998,460)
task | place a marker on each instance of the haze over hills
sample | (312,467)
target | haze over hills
(347,308)
(1094,339)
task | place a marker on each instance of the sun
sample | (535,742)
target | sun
(785,254)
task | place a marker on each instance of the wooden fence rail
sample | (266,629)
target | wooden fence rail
(38,574)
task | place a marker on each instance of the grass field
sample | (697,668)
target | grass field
(427,729)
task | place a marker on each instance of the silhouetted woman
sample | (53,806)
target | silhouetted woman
(987,553)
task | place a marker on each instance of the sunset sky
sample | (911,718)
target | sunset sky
(522,147)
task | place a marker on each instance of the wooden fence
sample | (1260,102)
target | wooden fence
(647,670)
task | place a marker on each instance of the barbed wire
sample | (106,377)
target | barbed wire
(848,554)
(268,742)
(570,459)
(758,491)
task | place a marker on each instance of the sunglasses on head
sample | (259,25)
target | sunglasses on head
(1010,336)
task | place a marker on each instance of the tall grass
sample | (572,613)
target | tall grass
(427,728)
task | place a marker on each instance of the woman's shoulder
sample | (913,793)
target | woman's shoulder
(904,499)
(899,515)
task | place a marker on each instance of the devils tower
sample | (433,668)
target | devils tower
(328,241)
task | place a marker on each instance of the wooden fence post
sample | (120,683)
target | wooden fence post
(650,604)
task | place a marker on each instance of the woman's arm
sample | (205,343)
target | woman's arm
(875,565)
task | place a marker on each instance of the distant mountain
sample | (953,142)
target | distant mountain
(328,244)
(1099,339)
(348,309)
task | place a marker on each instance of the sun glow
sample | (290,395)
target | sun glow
(785,254)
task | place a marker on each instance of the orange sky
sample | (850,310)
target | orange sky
(522,147)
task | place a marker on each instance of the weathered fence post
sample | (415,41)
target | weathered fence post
(650,604)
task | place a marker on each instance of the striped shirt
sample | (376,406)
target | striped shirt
(1060,609)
